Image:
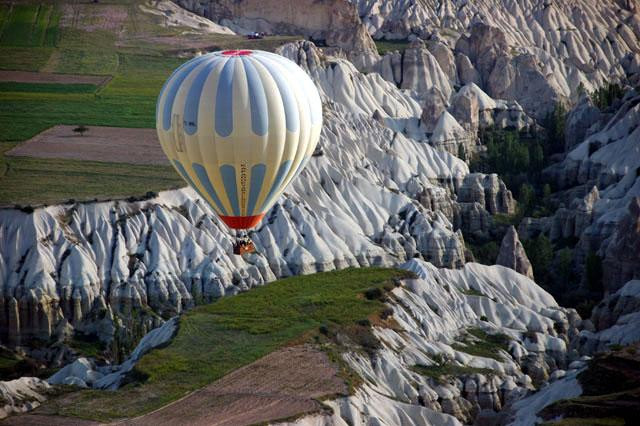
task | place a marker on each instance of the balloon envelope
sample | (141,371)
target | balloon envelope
(238,126)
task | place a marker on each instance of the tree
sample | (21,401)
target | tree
(81,129)
(540,253)
(593,272)
(554,123)
(564,260)
(526,198)
(603,97)
(536,156)
(461,153)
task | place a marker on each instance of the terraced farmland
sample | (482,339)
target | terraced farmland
(116,42)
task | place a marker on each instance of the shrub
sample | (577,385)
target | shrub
(373,293)
(593,272)
(604,97)
(80,129)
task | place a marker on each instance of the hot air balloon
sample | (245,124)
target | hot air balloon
(238,126)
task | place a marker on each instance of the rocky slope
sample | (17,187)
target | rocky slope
(384,186)
(439,315)
(369,196)
(533,51)
(600,186)
(489,334)
(335,23)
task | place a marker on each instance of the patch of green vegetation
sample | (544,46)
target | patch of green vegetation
(234,331)
(24,58)
(53,31)
(485,253)
(25,180)
(10,86)
(89,346)
(447,369)
(8,364)
(386,46)
(84,61)
(18,25)
(480,343)
(128,101)
(14,365)
(603,97)
(472,292)
(506,219)
(27,25)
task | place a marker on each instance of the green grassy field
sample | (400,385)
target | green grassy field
(386,46)
(215,339)
(483,344)
(27,180)
(11,86)
(138,52)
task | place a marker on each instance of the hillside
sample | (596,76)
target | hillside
(488,149)
(133,45)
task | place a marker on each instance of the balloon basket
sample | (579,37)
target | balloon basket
(243,246)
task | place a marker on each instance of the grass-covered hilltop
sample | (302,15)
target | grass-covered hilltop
(126,53)
(332,311)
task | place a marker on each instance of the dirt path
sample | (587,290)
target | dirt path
(41,420)
(280,385)
(108,144)
(48,77)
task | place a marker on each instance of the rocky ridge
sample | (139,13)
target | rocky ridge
(435,314)
(512,254)
(533,52)
(335,23)
(370,196)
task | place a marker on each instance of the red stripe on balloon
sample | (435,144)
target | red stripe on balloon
(236,52)
(242,222)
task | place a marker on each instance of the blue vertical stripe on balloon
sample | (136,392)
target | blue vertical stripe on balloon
(228,173)
(255,185)
(257,97)
(186,177)
(202,174)
(282,172)
(172,90)
(224,99)
(192,103)
(315,109)
(289,101)
(164,87)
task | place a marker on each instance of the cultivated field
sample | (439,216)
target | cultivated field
(52,78)
(116,58)
(106,144)
(281,385)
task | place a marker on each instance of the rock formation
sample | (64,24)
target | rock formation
(614,321)
(372,197)
(622,253)
(22,395)
(438,313)
(448,135)
(512,254)
(553,47)
(335,22)
(582,121)
(487,190)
